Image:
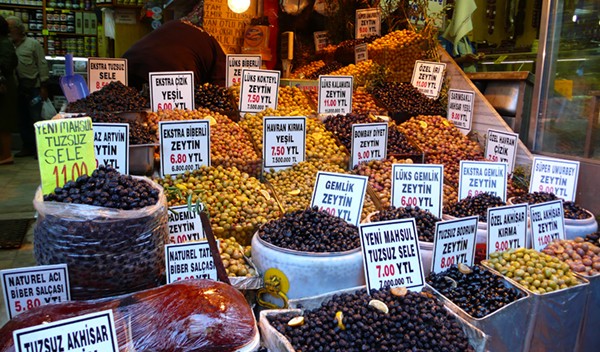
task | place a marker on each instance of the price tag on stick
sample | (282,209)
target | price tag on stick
(460,109)
(507,228)
(171,90)
(101,71)
(547,223)
(368,23)
(259,90)
(184,225)
(236,63)
(111,145)
(284,141)
(27,288)
(340,195)
(321,40)
(64,334)
(369,142)
(502,147)
(335,95)
(184,146)
(418,185)
(454,243)
(361,53)
(478,177)
(556,176)
(391,255)
(428,77)
(65,150)
(186,261)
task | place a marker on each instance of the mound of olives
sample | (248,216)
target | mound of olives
(474,205)
(571,210)
(581,256)
(113,97)
(424,219)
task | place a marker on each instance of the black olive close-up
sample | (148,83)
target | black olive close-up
(424,220)
(112,97)
(571,209)
(476,205)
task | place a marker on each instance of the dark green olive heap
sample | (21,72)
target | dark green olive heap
(478,293)
(311,230)
(414,322)
(112,97)
(571,209)
(213,97)
(424,219)
(106,187)
(400,97)
(476,205)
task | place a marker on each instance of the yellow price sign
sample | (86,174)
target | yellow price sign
(65,150)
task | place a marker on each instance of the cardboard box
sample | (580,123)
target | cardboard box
(79,22)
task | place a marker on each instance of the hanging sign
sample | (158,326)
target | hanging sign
(184,225)
(65,150)
(454,243)
(502,146)
(478,177)
(507,228)
(27,288)
(102,71)
(111,145)
(418,185)
(236,63)
(66,335)
(460,109)
(184,146)
(335,95)
(547,223)
(369,142)
(171,90)
(428,77)
(187,261)
(361,53)
(556,176)
(391,255)
(259,90)
(321,39)
(284,141)
(340,195)
(368,23)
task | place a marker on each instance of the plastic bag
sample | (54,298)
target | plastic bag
(48,110)
(108,251)
(190,315)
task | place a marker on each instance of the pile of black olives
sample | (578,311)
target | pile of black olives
(571,210)
(328,68)
(593,238)
(474,205)
(311,230)
(213,97)
(479,293)
(139,131)
(341,126)
(348,323)
(112,97)
(424,219)
(404,98)
(106,187)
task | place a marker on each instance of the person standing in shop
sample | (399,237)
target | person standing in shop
(32,75)
(8,93)
(455,38)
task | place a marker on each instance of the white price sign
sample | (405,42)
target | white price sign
(321,39)
(184,146)
(27,288)
(187,261)
(69,335)
(460,109)
(428,77)
(454,243)
(368,23)
(102,71)
(236,63)
(340,195)
(335,95)
(556,176)
(502,147)
(284,141)
(184,225)
(547,223)
(361,53)
(418,185)
(259,90)
(478,177)
(391,255)
(507,228)
(111,145)
(171,90)
(369,142)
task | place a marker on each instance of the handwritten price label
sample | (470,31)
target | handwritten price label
(335,94)
(369,142)
(184,145)
(259,90)
(171,90)
(236,63)
(502,147)
(284,141)
(460,109)
(340,195)
(478,177)
(547,223)
(555,176)
(418,185)
(427,77)
(507,228)
(454,243)
(102,71)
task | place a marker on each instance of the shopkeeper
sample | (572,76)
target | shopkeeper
(178,45)
(456,36)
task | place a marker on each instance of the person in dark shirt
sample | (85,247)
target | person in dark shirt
(177,45)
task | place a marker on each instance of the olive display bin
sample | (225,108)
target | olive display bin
(589,338)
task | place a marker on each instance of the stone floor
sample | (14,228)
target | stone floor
(18,183)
